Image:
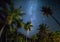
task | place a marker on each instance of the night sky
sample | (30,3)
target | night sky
(32,8)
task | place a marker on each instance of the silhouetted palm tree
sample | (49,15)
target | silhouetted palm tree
(13,17)
(48,11)
(28,25)
(43,34)
(3,16)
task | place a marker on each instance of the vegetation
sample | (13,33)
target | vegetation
(13,21)
(13,18)
(48,11)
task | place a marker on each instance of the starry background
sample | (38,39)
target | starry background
(32,8)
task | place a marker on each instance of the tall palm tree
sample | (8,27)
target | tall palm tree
(43,34)
(3,16)
(14,16)
(48,11)
(27,26)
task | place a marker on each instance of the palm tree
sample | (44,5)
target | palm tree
(3,17)
(48,11)
(43,34)
(13,17)
(28,25)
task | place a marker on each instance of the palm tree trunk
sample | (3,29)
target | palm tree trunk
(3,5)
(2,30)
(55,20)
(16,35)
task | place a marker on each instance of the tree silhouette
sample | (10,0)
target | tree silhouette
(3,17)
(14,16)
(43,34)
(48,11)
(28,25)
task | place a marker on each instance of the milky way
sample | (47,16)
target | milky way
(32,8)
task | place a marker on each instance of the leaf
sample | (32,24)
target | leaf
(35,36)
(22,24)
(27,26)
(11,29)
